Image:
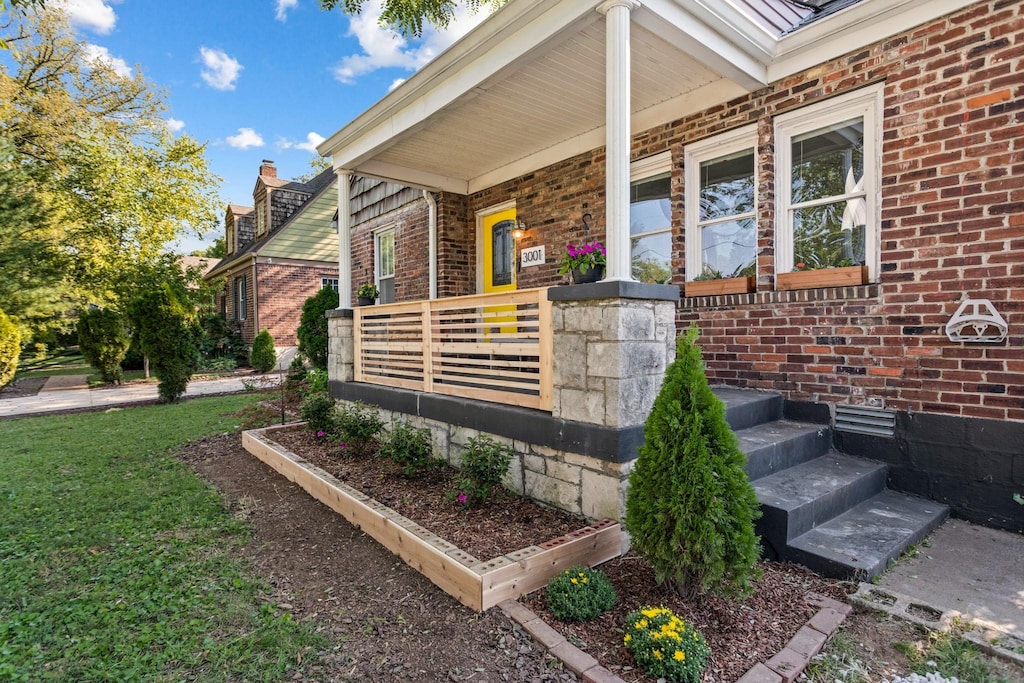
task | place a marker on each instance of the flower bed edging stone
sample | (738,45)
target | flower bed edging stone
(784,667)
(477,584)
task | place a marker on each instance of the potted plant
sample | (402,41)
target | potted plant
(586,262)
(367,294)
(711,282)
(806,275)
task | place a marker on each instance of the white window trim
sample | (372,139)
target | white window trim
(377,234)
(326,282)
(867,102)
(646,169)
(241,294)
(707,150)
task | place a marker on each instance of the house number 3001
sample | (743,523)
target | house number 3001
(534,256)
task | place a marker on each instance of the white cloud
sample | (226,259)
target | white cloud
(174,125)
(94,15)
(281,12)
(395,83)
(245,139)
(312,140)
(96,55)
(383,48)
(220,71)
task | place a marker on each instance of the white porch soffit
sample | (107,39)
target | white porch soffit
(525,89)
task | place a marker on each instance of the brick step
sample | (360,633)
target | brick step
(801,497)
(775,446)
(862,542)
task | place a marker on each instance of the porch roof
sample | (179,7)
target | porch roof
(526,88)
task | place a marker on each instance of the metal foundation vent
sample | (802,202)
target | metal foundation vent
(865,420)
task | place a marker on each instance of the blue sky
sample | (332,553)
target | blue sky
(255,79)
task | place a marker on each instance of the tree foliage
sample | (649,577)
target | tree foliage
(691,509)
(263,356)
(312,332)
(112,189)
(10,349)
(103,340)
(166,334)
(407,17)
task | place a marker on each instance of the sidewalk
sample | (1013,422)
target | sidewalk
(74,399)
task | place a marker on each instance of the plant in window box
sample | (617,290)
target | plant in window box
(367,294)
(710,281)
(586,262)
(808,274)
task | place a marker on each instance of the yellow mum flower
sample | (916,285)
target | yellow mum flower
(584,579)
(574,580)
(679,656)
(650,613)
(642,623)
(657,655)
(627,638)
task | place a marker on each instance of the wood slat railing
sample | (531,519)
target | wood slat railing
(494,347)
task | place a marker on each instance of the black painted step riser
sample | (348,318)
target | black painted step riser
(775,457)
(752,413)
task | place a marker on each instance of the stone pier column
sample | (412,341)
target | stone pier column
(341,356)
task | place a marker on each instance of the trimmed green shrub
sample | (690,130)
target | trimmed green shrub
(665,646)
(690,510)
(320,413)
(103,340)
(484,465)
(166,334)
(408,447)
(10,349)
(316,381)
(312,332)
(263,356)
(580,594)
(359,425)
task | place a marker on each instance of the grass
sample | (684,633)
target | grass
(840,662)
(67,362)
(952,656)
(115,558)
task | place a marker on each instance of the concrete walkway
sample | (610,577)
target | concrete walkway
(75,399)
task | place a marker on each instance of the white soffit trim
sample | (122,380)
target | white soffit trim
(518,33)
(860,24)
(412,177)
(664,112)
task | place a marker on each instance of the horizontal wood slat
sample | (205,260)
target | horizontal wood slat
(494,347)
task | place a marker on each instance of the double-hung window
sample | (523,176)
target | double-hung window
(827,183)
(239,302)
(650,218)
(721,206)
(331,282)
(384,264)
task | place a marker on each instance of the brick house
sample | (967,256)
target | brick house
(818,186)
(278,253)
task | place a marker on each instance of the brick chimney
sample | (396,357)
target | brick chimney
(268,169)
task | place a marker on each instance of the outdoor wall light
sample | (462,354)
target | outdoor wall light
(520,231)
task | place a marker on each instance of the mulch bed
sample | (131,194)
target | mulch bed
(507,524)
(740,633)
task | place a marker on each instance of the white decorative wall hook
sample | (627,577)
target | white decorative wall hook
(977,321)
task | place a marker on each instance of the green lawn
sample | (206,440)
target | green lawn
(64,363)
(114,556)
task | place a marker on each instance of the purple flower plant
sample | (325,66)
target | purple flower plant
(583,257)
(320,434)
(462,497)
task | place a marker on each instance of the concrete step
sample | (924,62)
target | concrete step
(862,542)
(745,408)
(801,497)
(774,446)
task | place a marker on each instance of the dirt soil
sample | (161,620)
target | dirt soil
(23,386)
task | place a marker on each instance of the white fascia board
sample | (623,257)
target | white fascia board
(661,113)
(518,33)
(723,48)
(861,24)
(411,177)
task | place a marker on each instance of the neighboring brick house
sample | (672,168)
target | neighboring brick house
(278,254)
(895,130)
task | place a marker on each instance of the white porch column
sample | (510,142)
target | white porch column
(617,136)
(344,238)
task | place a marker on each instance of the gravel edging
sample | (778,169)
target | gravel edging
(784,667)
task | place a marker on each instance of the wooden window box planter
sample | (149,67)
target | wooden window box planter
(728,285)
(477,584)
(824,277)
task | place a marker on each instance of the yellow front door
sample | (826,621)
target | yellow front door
(499,253)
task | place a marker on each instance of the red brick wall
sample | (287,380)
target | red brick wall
(411,223)
(283,288)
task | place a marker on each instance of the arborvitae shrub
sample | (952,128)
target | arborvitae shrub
(690,510)
(103,340)
(409,447)
(165,333)
(312,332)
(263,356)
(10,349)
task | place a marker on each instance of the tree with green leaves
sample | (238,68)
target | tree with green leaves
(103,340)
(312,332)
(690,510)
(165,332)
(408,17)
(10,349)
